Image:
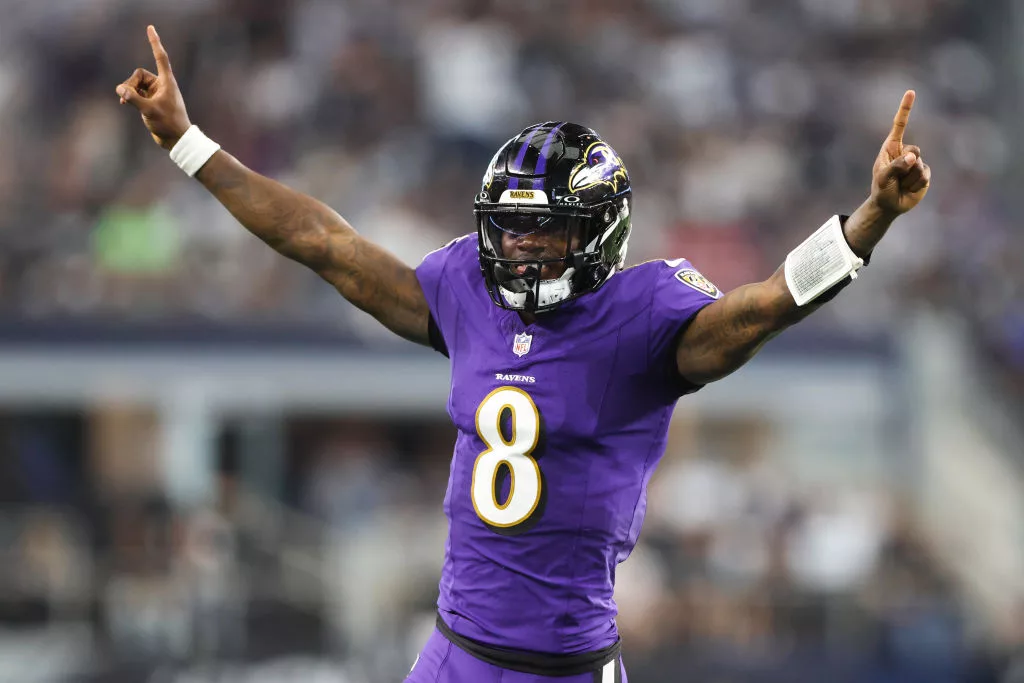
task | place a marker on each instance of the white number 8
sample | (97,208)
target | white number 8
(525,490)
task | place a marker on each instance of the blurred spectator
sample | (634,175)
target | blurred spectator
(742,126)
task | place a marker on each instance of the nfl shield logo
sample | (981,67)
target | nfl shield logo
(521,344)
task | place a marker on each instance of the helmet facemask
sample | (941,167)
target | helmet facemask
(519,243)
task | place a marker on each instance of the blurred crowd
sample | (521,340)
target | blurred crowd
(744,126)
(751,570)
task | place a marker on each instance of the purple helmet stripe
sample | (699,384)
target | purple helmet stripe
(542,162)
(517,165)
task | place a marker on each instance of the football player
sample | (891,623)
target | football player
(565,365)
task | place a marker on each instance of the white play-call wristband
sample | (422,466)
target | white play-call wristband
(822,261)
(192,150)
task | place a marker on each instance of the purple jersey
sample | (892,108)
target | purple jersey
(560,425)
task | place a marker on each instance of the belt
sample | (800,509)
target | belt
(536,663)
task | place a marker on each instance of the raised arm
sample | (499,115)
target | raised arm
(296,225)
(726,334)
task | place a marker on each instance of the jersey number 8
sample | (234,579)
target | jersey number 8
(514,453)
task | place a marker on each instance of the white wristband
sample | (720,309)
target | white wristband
(192,150)
(822,261)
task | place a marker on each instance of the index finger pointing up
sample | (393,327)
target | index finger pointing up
(163,62)
(899,123)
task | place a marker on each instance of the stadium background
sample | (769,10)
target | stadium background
(213,469)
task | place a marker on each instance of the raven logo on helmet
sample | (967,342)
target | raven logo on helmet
(600,165)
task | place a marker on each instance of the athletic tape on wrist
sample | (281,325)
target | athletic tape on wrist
(193,150)
(821,261)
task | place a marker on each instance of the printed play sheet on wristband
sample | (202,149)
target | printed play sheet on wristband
(823,260)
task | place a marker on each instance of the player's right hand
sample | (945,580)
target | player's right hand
(157,97)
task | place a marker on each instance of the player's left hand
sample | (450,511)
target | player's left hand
(900,176)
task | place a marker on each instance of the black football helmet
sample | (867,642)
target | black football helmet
(562,182)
